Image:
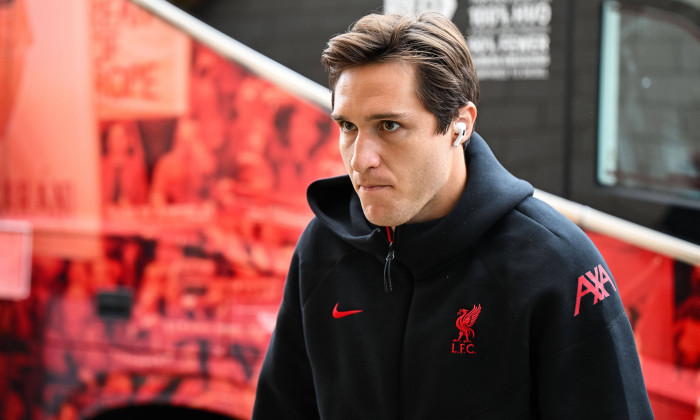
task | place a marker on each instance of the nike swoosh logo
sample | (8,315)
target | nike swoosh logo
(342,314)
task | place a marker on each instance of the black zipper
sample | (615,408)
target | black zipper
(387,264)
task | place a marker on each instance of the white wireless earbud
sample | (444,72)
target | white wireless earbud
(461,129)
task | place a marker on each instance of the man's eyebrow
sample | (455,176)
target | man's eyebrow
(373,117)
(387,116)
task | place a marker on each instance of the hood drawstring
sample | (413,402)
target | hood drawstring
(387,265)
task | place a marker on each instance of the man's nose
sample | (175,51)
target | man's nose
(365,153)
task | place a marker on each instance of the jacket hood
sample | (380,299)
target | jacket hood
(491,192)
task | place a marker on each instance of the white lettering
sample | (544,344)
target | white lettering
(539,14)
(488,16)
(482,44)
(523,43)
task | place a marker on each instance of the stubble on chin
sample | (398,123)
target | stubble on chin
(383,217)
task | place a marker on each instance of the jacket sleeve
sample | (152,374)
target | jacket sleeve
(584,357)
(285,387)
(597,378)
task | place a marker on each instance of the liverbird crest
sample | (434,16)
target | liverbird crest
(465,322)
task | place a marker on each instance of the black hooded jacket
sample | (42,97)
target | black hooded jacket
(503,309)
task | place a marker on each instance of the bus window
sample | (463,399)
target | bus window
(649,132)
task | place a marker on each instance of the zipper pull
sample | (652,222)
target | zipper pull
(387,265)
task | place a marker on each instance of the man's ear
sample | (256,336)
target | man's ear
(464,123)
(467,115)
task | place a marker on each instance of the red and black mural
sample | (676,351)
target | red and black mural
(171,295)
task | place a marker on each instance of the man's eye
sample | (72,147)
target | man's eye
(390,125)
(347,126)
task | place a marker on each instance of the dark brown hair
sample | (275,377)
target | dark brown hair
(446,78)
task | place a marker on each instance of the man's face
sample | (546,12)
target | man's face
(402,171)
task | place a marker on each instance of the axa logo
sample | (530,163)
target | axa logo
(465,323)
(593,283)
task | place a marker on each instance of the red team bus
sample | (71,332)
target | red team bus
(152,188)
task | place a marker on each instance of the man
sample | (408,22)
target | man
(431,284)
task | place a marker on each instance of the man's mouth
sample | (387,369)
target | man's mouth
(371,187)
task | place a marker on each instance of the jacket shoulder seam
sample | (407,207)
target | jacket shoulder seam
(326,275)
(547,228)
